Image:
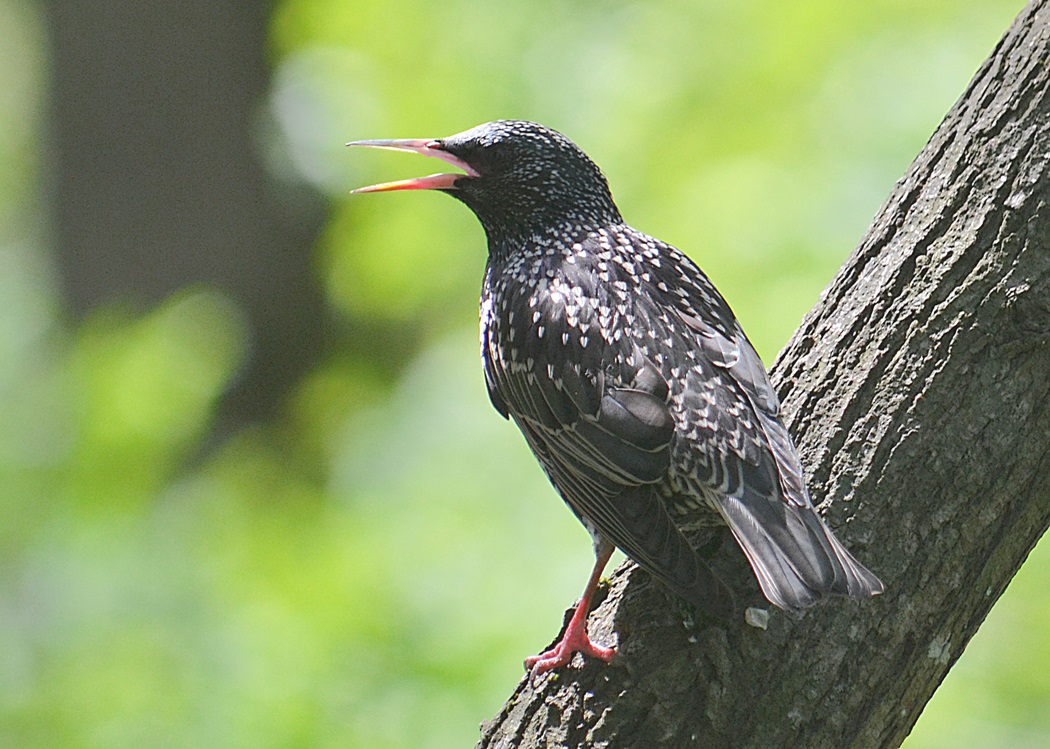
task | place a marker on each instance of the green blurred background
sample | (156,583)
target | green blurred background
(252,492)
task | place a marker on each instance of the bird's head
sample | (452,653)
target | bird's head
(520,179)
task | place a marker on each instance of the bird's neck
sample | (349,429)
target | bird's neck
(507,241)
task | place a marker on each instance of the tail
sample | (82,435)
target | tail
(795,556)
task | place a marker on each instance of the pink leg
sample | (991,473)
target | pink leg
(575,638)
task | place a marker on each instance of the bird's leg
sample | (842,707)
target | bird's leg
(575,639)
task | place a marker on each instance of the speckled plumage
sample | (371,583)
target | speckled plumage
(630,377)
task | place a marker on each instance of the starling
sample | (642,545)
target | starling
(631,380)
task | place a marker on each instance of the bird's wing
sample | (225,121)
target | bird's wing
(745,409)
(596,413)
(610,422)
(729,389)
(764,498)
(634,519)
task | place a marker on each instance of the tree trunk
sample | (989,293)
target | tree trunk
(157,184)
(918,391)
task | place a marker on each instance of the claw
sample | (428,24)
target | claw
(575,638)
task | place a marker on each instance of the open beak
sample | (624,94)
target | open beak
(432,148)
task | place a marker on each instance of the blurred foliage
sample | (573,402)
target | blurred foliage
(370,571)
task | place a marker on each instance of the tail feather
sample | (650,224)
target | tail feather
(794,555)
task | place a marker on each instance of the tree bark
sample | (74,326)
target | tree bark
(918,391)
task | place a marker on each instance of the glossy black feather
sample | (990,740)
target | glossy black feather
(632,381)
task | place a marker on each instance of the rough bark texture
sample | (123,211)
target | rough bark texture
(919,393)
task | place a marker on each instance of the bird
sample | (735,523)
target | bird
(631,380)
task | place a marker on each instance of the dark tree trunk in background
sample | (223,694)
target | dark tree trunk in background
(919,392)
(157,183)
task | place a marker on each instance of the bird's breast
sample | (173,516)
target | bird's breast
(550,313)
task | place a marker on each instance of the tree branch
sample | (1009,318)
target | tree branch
(918,390)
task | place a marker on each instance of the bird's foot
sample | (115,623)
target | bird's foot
(574,640)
